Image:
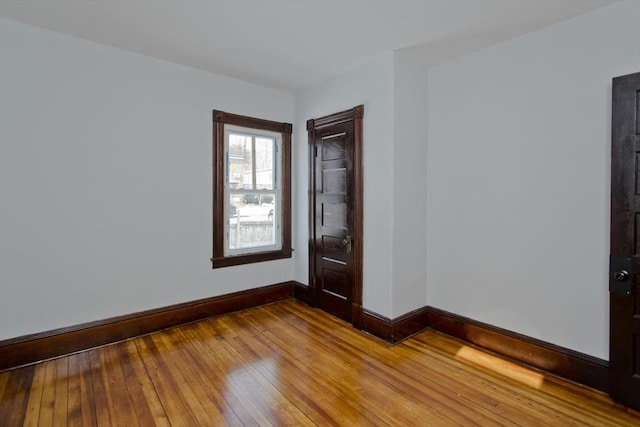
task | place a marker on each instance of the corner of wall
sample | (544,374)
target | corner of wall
(409,188)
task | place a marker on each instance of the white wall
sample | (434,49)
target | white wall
(518,178)
(105,181)
(372,85)
(409,235)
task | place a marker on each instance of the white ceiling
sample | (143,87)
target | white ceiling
(293,44)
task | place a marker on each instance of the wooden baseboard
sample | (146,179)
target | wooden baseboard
(45,345)
(376,324)
(303,293)
(395,330)
(572,365)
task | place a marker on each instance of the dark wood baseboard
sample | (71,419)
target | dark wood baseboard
(395,330)
(572,365)
(304,293)
(409,324)
(45,345)
(376,324)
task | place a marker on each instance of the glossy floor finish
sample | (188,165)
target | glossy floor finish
(287,364)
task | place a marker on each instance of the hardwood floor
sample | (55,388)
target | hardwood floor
(287,364)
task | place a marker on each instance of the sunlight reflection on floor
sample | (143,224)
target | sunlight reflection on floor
(501,367)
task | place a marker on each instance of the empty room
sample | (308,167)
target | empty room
(305,212)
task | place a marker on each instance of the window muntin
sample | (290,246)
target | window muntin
(251,186)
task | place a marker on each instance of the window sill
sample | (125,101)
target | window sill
(250,258)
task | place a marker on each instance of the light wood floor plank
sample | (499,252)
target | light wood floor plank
(273,404)
(211,377)
(60,405)
(284,376)
(81,405)
(287,364)
(4,378)
(328,387)
(119,397)
(15,396)
(145,400)
(48,393)
(176,405)
(100,390)
(204,355)
(189,379)
(32,416)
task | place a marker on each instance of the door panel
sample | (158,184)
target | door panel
(335,246)
(624,280)
(334,215)
(334,181)
(334,282)
(333,163)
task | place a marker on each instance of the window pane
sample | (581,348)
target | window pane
(254,224)
(240,172)
(264,163)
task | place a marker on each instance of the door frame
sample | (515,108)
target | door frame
(625,136)
(356,115)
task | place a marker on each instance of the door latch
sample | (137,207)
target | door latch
(620,275)
(347,243)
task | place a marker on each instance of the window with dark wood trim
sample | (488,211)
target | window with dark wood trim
(251,190)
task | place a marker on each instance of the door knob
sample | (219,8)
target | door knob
(347,243)
(621,275)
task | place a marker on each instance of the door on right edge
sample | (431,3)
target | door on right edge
(624,274)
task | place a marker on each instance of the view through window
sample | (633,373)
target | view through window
(252,190)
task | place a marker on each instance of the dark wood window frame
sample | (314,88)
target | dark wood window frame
(220,119)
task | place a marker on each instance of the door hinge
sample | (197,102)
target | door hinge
(315,151)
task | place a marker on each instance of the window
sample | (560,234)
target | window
(251,190)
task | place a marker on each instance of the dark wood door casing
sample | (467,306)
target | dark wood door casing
(624,275)
(346,124)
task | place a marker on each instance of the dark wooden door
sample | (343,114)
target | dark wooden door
(336,213)
(624,280)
